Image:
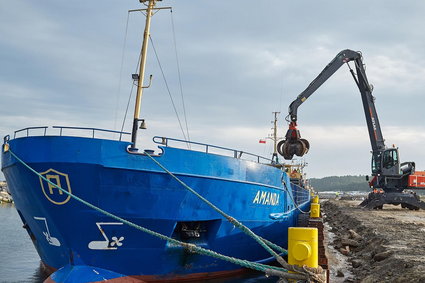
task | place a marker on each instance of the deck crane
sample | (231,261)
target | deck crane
(390,177)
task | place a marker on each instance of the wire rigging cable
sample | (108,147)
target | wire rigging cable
(185,132)
(129,97)
(168,88)
(126,110)
(121,71)
(179,74)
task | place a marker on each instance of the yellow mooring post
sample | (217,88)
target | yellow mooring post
(303,246)
(315,210)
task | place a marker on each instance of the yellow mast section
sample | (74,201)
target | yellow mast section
(149,13)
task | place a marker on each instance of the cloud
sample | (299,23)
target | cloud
(61,62)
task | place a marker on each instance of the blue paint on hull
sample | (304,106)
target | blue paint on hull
(133,187)
(82,273)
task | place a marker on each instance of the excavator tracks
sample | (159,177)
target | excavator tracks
(406,200)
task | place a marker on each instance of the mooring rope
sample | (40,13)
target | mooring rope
(303,273)
(310,273)
(231,219)
(292,198)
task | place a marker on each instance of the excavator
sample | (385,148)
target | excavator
(392,182)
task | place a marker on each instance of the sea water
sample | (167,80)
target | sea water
(19,261)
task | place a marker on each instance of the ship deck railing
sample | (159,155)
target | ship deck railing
(118,135)
(300,194)
(209,148)
(34,131)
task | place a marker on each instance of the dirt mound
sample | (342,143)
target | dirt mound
(381,245)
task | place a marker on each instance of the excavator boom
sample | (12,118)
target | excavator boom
(390,176)
(294,145)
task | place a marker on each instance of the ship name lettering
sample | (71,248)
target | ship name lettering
(266,198)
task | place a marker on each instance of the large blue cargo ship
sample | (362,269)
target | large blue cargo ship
(50,173)
(130,185)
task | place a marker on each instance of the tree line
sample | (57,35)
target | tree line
(340,183)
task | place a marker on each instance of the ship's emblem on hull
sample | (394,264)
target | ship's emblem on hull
(52,193)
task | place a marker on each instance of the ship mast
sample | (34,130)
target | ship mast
(275,138)
(140,77)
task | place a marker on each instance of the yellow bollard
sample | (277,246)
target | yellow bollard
(303,246)
(315,210)
(315,199)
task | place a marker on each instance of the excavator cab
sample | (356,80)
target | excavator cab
(386,162)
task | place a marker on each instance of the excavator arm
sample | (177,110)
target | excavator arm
(390,176)
(342,58)
(293,144)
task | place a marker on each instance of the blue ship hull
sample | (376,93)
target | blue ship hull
(67,234)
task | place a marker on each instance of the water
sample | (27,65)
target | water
(19,261)
(337,261)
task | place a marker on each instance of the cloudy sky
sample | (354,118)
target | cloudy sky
(70,63)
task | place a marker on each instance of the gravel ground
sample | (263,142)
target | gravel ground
(385,245)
